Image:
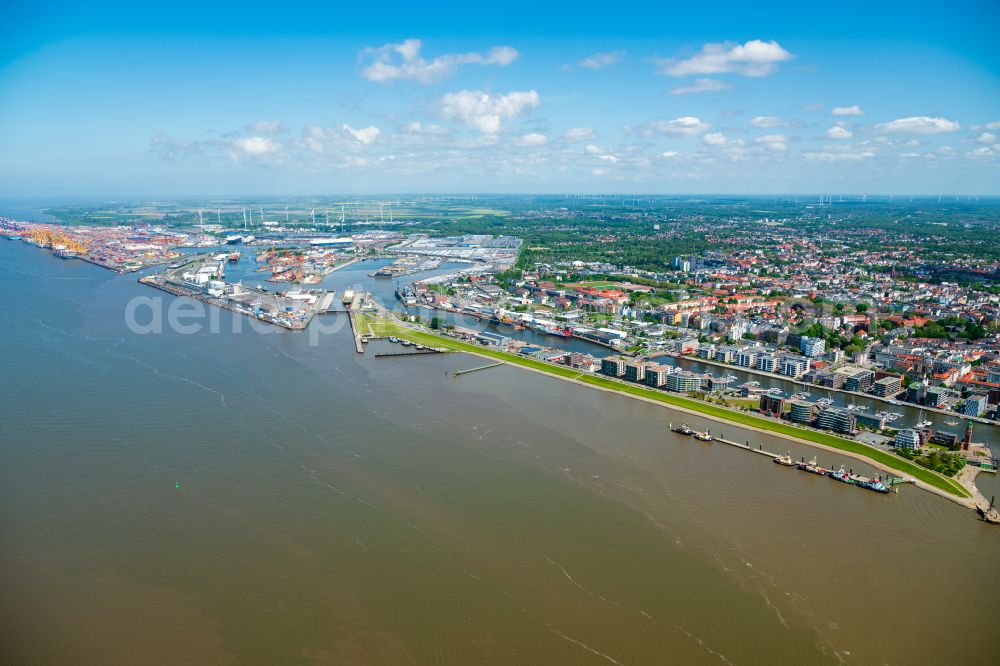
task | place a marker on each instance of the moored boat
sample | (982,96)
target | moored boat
(785,460)
(683,429)
(840,475)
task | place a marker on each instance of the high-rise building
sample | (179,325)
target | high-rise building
(613,366)
(907,438)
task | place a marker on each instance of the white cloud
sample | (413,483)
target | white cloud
(600,171)
(601,60)
(770,122)
(982,152)
(846,156)
(486,112)
(593,150)
(668,154)
(700,86)
(776,143)
(579,134)
(268,126)
(256,146)
(754,58)
(532,139)
(854,110)
(366,135)
(683,126)
(986,137)
(402,61)
(919,125)
(995,125)
(418,128)
(838,132)
(714,139)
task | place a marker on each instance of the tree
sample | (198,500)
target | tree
(435,323)
(861,308)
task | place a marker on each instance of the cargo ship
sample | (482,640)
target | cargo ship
(64,252)
(348,296)
(232,240)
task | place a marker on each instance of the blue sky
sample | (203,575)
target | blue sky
(275,99)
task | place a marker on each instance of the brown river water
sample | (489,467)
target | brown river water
(252,498)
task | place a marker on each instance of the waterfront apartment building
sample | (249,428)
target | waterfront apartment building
(837,420)
(812,347)
(833,380)
(726,354)
(635,372)
(793,366)
(685,345)
(888,386)
(915,392)
(767,363)
(772,405)
(936,396)
(907,438)
(975,405)
(802,411)
(869,420)
(656,374)
(860,381)
(613,366)
(683,381)
(706,351)
(746,358)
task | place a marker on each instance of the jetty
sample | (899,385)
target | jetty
(876,484)
(481,367)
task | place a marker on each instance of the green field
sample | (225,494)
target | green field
(386,327)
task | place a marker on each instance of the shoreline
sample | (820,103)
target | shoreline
(969,502)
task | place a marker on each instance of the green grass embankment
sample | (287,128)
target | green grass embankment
(386,327)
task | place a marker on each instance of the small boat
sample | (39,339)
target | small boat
(812,467)
(785,460)
(234,257)
(684,429)
(952,423)
(704,436)
(873,484)
(840,475)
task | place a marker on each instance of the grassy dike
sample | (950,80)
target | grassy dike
(381,326)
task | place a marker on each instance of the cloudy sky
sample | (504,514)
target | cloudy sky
(291,99)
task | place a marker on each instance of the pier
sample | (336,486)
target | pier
(481,367)
(746,447)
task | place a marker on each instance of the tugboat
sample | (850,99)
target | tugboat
(785,460)
(704,436)
(873,484)
(812,467)
(684,429)
(840,475)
